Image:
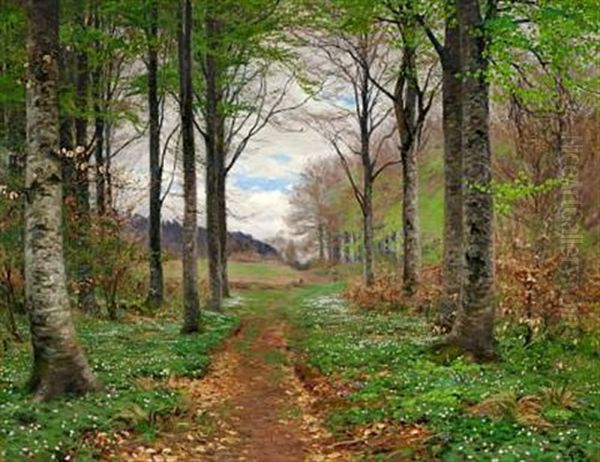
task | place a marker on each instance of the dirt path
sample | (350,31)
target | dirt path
(250,407)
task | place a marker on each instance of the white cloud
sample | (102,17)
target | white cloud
(276,156)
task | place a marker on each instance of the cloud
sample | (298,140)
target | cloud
(282,158)
(258,183)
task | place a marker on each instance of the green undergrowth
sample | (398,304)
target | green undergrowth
(125,356)
(540,402)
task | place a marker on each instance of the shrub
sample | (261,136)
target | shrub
(115,266)
(533,296)
(384,294)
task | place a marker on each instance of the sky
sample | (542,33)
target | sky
(259,183)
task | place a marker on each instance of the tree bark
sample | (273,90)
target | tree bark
(406,118)
(85,278)
(191,301)
(99,127)
(368,258)
(474,326)
(368,175)
(321,232)
(107,165)
(100,166)
(223,233)
(59,365)
(213,162)
(155,294)
(452,263)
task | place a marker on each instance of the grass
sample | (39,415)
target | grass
(271,272)
(541,402)
(132,360)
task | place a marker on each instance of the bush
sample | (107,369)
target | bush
(117,257)
(384,294)
(534,297)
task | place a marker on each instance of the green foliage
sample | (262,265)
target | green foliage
(551,43)
(12,54)
(124,356)
(548,392)
(12,288)
(507,194)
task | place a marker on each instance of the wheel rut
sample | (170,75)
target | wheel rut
(250,406)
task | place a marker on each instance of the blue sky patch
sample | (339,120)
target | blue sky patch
(282,158)
(262,184)
(346,101)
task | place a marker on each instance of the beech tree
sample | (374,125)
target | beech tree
(240,49)
(473,329)
(414,90)
(59,364)
(452,259)
(191,302)
(75,116)
(155,294)
(356,54)
(311,208)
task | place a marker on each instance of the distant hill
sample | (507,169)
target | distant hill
(238,242)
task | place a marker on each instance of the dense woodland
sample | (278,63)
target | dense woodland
(437,290)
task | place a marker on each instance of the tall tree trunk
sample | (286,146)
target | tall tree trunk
(191,301)
(321,232)
(99,127)
(107,165)
(59,365)
(410,222)
(213,162)
(155,294)
(452,263)
(474,326)
(406,119)
(368,258)
(85,277)
(100,166)
(223,233)
(368,177)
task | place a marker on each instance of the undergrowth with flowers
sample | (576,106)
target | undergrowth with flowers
(134,361)
(376,374)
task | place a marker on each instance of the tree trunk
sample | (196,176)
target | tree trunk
(410,223)
(347,248)
(191,302)
(59,365)
(223,234)
(368,274)
(100,167)
(99,127)
(213,170)
(85,279)
(107,166)
(452,264)
(406,118)
(474,326)
(368,176)
(321,232)
(155,294)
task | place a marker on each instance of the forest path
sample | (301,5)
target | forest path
(251,406)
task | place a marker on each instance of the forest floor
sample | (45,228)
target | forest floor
(292,372)
(251,406)
(309,378)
